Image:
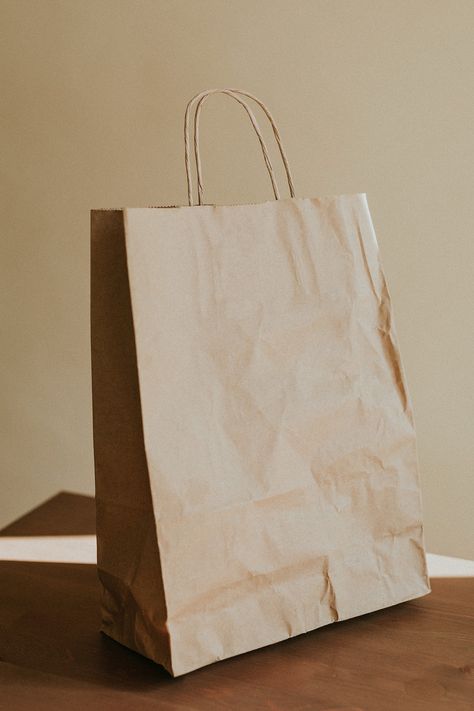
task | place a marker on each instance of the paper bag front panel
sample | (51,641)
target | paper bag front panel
(278,432)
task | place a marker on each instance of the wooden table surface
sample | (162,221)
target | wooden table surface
(417,656)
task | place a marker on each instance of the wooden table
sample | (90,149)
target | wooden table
(414,656)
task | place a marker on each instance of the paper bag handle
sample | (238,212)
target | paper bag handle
(256,127)
(233,93)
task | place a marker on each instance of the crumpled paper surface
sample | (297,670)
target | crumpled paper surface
(255,450)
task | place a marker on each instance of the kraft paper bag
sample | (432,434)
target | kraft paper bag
(255,453)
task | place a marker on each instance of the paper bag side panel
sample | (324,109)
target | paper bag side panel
(133,605)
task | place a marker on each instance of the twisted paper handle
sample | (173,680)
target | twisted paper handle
(235,94)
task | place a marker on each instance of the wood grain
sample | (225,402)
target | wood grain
(412,657)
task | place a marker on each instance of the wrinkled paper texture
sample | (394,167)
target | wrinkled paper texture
(277,430)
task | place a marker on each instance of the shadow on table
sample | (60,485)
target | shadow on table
(50,620)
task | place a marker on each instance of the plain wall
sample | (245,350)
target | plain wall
(371,96)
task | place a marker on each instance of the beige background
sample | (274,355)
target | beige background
(371,96)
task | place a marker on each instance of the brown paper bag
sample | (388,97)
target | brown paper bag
(255,453)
